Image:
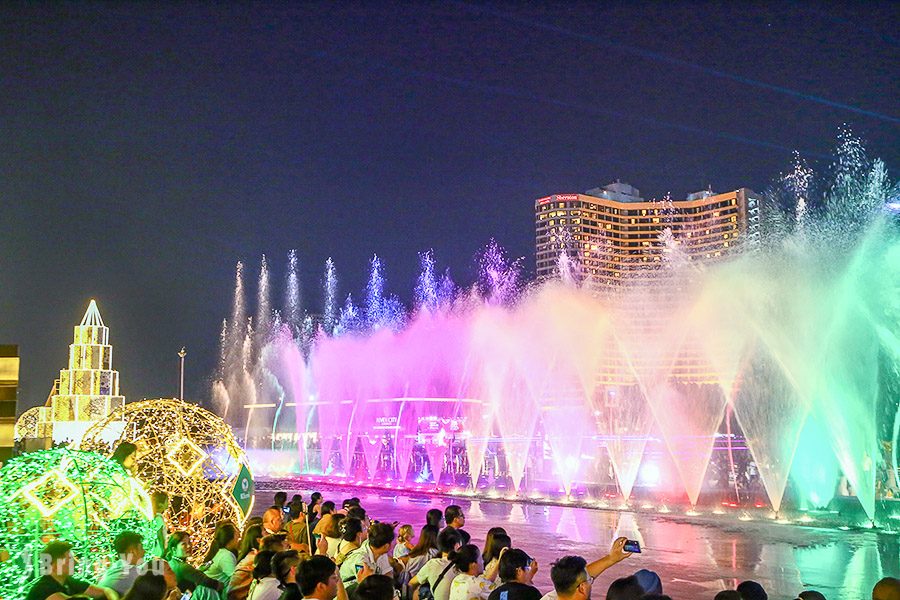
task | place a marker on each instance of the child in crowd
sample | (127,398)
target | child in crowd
(404,541)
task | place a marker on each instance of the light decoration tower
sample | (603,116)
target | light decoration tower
(88,389)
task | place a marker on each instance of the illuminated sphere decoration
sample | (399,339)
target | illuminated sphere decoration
(79,497)
(187,452)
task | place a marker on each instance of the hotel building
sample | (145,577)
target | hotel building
(610,233)
(611,237)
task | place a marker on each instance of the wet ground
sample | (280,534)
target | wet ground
(694,559)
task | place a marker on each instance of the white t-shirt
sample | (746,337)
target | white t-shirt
(429,573)
(332,546)
(363,556)
(471,587)
(266,588)
(400,550)
(551,595)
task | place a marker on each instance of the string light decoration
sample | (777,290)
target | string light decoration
(190,454)
(80,497)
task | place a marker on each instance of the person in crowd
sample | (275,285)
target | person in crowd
(264,585)
(495,541)
(125,454)
(472,582)
(222,554)
(121,574)
(178,549)
(358,512)
(887,589)
(331,537)
(571,579)
(649,581)
(318,580)
(655,597)
(625,588)
(57,583)
(352,536)
(616,554)
(323,524)
(151,586)
(752,590)
(297,528)
(404,541)
(425,549)
(438,573)
(160,503)
(315,508)
(239,586)
(728,595)
(284,567)
(273,520)
(435,517)
(374,554)
(810,595)
(517,571)
(375,587)
(456,519)
(280,500)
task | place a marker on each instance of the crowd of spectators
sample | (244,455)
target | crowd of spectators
(321,552)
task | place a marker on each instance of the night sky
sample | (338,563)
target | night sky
(144,150)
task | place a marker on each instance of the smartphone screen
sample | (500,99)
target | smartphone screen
(632,546)
(359,568)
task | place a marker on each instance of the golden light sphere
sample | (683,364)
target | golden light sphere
(190,454)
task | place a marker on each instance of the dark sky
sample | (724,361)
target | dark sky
(145,149)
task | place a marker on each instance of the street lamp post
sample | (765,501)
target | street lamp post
(181,354)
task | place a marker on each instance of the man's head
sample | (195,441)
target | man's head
(514,565)
(375,587)
(380,537)
(808,595)
(280,499)
(57,559)
(625,588)
(129,546)
(317,578)
(160,502)
(649,581)
(284,566)
(296,507)
(435,517)
(887,589)
(728,595)
(449,540)
(570,578)
(274,542)
(273,519)
(751,590)
(327,507)
(454,516)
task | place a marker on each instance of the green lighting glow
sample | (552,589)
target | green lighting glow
(79,497)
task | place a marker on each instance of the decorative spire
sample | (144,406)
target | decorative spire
(92,316)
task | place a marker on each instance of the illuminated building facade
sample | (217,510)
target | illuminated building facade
(610,233)
(611,237)
(88,388)
(9,386)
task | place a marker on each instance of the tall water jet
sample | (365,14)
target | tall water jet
(293,313)
(330,308)
(263,322)
(426,284)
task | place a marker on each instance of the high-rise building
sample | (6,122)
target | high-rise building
(607,234)
(9,387)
